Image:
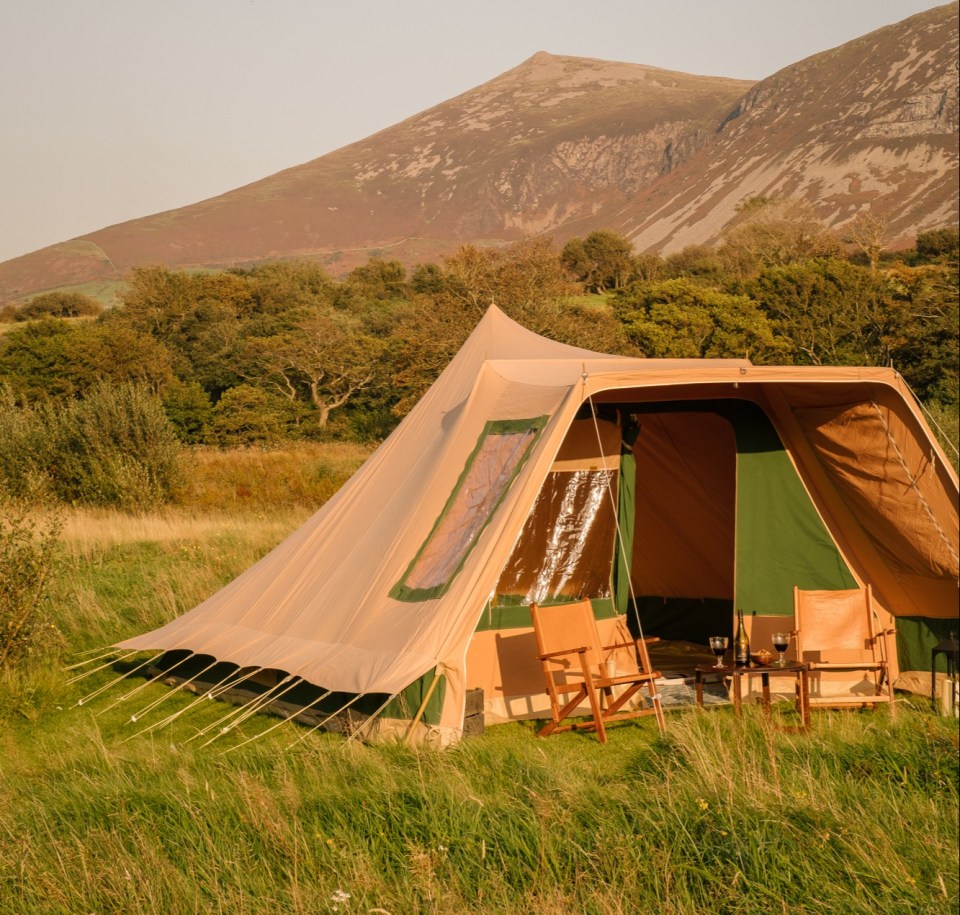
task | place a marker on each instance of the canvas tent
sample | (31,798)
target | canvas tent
(666,491)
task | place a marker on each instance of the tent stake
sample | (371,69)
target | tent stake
(325,720)
(143,685)
(273,727)
(90,673)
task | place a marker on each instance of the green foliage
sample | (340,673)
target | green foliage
(28,555)
(59,305)
(189,409)
(938,246)
(51,359)
(682,319)
(602,260)
(24,447)
(830,312)
(115,447)
(248,415)
(377,280)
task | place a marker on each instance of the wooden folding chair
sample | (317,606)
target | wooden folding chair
(578,669)
(840,631)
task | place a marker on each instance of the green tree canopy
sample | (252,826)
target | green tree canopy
(680,318)
(602,260)
(59,305)
(830,311)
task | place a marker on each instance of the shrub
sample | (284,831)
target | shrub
(115,447)
(59,305)
(28,551)
(246,415)
(23,439)
(188,407)
(938,245)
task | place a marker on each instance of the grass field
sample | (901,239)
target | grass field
(722,815)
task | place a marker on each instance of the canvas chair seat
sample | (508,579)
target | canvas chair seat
(591,672)
(839,631)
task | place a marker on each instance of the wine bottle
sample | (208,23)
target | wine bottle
(741,644)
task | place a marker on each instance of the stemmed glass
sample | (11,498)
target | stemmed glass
(718,645)
(780,641)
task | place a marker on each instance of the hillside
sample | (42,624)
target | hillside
(565,145)
(873,123)
(554,139)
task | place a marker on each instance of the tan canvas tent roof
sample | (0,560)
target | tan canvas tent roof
(391,578)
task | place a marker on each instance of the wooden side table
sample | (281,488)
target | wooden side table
(737,674)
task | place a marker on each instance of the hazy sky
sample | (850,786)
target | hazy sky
(113,109)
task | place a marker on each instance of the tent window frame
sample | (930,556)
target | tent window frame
(405,592)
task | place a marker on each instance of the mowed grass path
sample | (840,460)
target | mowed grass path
(721,815)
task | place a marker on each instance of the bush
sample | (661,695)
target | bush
(23,446)
(59,305)
(246,415)
(938,245)
(115,447)
(28,552)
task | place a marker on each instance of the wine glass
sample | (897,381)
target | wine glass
(718,645)
(780,641)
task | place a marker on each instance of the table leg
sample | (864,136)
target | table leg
(736,677)
(765,681)
(699,678)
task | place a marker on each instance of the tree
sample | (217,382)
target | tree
(189,409)
(327,357)
(50,359)
(602,260)
(682,319)
(869,234)
(830,311)
(59,305)
(247,415)
(923,332)
(776,231)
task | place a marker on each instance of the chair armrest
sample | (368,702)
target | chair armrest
(560,654)
(632,644)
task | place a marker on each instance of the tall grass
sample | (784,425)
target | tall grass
(260,479)
(723,815)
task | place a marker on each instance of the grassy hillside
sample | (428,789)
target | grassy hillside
(721,815)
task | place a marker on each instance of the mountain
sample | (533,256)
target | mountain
(551,140)
(873,123)
(565,145)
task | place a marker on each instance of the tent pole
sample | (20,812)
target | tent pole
(423,707)
(372,718)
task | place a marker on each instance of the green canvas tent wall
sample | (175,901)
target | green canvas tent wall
(678,489)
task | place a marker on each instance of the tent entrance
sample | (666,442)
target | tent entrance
(722,521)
(682,553)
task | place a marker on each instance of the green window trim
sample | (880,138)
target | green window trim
(403,590)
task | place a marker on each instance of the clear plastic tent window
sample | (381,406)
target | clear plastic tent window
(500,453)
